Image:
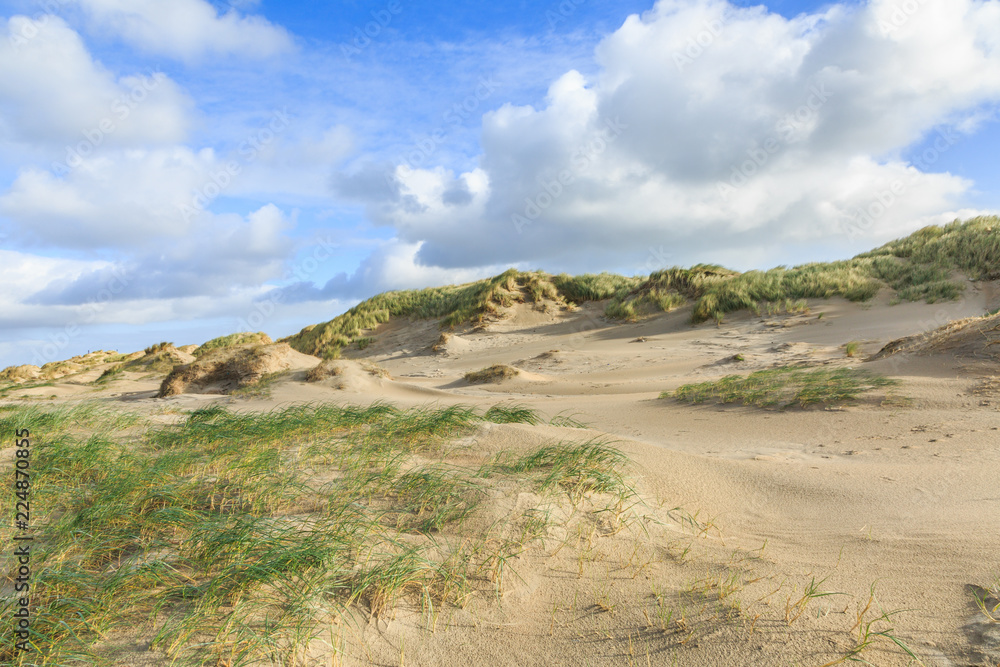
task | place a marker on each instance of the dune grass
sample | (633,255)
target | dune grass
(592,467)
(261,388)
(235,538)
(925,266)
(455,304)
(593,287)
(785,387)
(987,600)
(494,373)
(512,414)
(232,340)
(111,374)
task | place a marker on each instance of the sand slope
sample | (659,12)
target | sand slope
(902,495)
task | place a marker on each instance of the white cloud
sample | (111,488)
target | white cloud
(53,93)
(128,198)
(24,274)
(227,255)
(116,199)
(391,266)
(297,163)
(189,30)
(712,128)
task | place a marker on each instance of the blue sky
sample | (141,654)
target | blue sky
(183,170)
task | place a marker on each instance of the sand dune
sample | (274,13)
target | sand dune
(900,494)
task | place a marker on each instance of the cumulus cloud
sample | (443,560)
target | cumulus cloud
(114,198)
(391,266)
(22,274)
(188,29)
(711,128)
(298,162)
(53,93)
(118,199)
(230,254)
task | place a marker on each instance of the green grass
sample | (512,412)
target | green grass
(156,359)
(874,630)
(494,373)
(785,387)
(232,340)
(987,600)
(111,374)
(593,287)
(634,306)
(971,247)
(231,538)
(27,385)
(159,347)
(593,467)
(512,414)
(455,305)
(925,266)
(261,388)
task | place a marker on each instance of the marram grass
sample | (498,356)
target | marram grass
(785,387)
(232,538)
(928,265)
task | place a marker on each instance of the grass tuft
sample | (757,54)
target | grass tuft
(785,387)
(494,373)
(235,534)
(512,414)
(232,340)
(924,266)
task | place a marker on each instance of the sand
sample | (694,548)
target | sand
(899,495)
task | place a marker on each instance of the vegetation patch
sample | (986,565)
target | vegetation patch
(155,360)
(324,370)
(259,388)
(926,265)
(374,369)
(111,374)
(512,414)
(785,387)
(494,373)
(241,539)
(232,340)
(24,373)
(442,342)
(228,368)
